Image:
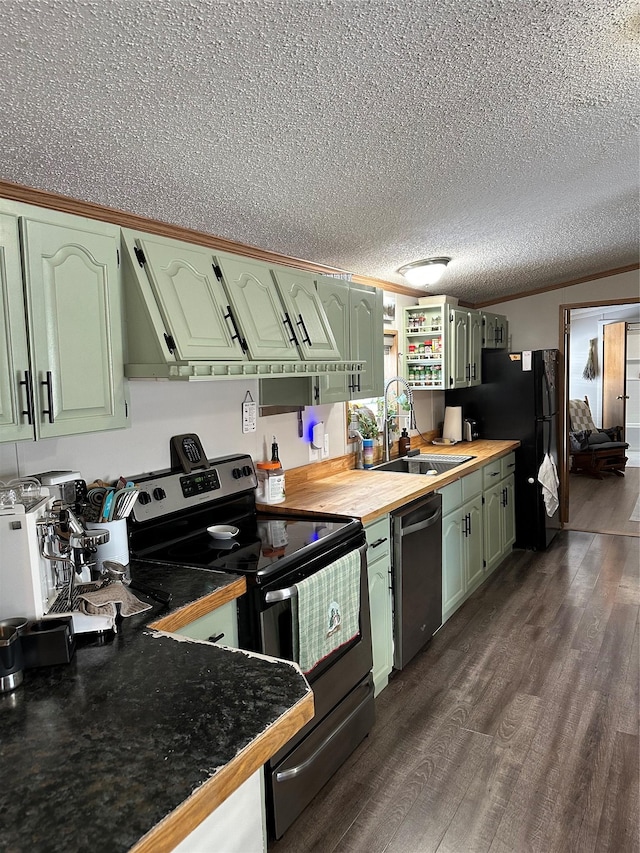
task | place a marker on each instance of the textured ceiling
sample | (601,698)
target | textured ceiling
(353,133)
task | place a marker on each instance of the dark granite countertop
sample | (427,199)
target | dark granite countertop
(96,752)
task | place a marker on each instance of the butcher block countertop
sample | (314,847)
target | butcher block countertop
(333,489)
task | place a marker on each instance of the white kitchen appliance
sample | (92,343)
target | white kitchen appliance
(27,581)
(31,585)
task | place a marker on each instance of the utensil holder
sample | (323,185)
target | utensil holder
(117,548)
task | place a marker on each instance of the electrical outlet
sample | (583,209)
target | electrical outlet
(314,453)
(325,448)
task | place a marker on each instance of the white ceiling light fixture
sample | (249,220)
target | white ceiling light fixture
(427,271)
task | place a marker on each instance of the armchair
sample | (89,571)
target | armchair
(594,450)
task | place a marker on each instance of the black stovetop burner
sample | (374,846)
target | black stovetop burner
(264,545)
(169,523)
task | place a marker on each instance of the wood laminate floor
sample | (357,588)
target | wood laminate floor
(604,506)
(516,729)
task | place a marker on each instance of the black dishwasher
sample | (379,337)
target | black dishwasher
(417,576)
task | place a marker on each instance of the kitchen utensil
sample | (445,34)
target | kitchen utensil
(116,571)
(223,531)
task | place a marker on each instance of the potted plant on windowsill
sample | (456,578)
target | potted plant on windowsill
(368,429)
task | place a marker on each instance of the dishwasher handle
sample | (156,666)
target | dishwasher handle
(432,519)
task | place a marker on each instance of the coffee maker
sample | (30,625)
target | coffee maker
(45,551)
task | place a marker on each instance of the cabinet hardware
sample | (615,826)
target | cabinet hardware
(305,334)
(217,271)
(236,336)
(215,637)
(378,542)
(48,383)
(28,390)
(289,324)
(140,256)
(171,344)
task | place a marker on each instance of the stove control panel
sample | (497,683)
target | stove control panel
(169,491)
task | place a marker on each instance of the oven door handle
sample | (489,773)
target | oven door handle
(281,594)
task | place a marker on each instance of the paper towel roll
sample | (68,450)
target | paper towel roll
(452,428)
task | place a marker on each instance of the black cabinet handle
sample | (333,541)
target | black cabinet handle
(236,336)
(215,637)
(305,334)
(28,390)
(289,324)
(48,382)
(378,542)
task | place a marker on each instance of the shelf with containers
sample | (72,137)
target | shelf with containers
(424,346)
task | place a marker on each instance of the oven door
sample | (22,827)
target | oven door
(344,705)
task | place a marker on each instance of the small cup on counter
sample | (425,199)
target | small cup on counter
(11,657)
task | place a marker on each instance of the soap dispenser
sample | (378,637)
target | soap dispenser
(404,442)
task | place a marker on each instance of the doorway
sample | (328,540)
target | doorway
(608,505)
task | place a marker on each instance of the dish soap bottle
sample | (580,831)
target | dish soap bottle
(404,442)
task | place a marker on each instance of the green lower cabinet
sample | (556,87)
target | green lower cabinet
(380,604)
(221,624)
(462,556)
(499,522)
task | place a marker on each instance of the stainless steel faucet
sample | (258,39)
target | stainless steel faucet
(385,411)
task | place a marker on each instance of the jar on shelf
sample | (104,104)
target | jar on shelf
(412,350)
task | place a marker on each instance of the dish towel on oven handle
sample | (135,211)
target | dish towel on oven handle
(328,611)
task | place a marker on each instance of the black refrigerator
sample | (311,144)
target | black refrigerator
(518,399)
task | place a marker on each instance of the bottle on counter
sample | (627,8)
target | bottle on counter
(271,478)
(404,442)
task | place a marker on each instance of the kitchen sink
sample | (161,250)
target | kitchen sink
(430,464)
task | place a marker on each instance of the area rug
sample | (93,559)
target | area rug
(635,515)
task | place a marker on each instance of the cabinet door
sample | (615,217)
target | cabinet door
(193,303)
(219,626)
(381,622)
(380,603)
(334,296)
(304,307)
(15,399)
(453,563)
(367,339)
(75,326)
(258,309)
(493,511)
(489,335)
(508,515)
(458,362)
(475,348)
(474,563)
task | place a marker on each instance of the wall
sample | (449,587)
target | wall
(534,320)
(162,409)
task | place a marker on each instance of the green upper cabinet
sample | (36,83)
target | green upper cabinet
(15,400)
(73,292)
(61,334)
(304,308)
(355,314)
(367,338)
(464,348)
(495,330)
(192,302)
(257,307)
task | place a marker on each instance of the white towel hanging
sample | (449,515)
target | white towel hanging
(548,479)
